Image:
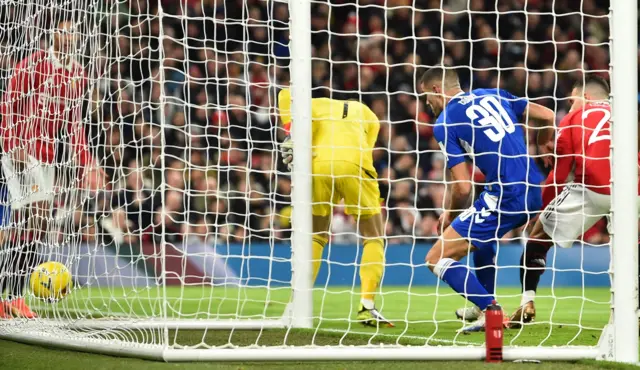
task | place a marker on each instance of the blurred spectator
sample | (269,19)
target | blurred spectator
(138,200)
(194,111)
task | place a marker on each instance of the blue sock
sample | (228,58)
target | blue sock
(484,261)
(463,282)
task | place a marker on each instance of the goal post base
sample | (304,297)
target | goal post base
(82,344)
(606,344)
(77,337)
(310,353)
(378,353)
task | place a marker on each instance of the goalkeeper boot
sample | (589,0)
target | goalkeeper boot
(523,315)
(372,318)
(5,312)
(19,308)
(468,313)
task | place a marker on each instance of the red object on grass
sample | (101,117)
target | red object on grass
(494,330)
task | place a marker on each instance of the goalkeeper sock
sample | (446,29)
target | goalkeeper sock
(463,282)
(532,265)
(484,261)
(318,243)
(371,269)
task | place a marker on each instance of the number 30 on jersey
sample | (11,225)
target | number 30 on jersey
(490,113)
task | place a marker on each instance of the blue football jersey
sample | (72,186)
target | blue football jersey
(483,126)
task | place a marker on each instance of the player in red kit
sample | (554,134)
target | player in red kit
(42,106)
(583,150)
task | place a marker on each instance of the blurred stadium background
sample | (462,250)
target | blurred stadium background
(198,114)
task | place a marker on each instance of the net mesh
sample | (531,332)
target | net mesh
(180,110)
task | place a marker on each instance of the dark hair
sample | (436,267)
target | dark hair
(441,74)
(593,80)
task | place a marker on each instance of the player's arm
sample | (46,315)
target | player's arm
(565,153)
(544,126)
(550,190)
(457,196)
(544,120)
(372,129)
(93,175)
(460,190)
(284,111)
(16,107)
(563,162)
(78,141)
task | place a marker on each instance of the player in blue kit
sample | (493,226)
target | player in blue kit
(482,126)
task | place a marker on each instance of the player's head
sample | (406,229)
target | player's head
(435,82)
(65,37)
(591,88)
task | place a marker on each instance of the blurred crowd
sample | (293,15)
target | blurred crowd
(196,156)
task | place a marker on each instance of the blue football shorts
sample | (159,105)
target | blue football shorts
(490,218)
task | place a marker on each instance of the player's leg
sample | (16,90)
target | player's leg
(323,197)
(29,243)
(532,265)
(443,260)
(319,240)
(372,261)
(362,200)
(476,229)
(485,269)
(568,216)
(31,193)
(484,261)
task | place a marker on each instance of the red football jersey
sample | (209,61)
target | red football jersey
(583,144)
(42,105)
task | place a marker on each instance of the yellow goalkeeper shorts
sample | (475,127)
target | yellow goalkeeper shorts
(337,180)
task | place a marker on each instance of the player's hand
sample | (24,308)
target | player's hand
(546,151)
(95,179)
(286,149)
(444,221)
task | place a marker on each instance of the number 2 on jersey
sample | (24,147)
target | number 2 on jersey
(596,136)
(490,112)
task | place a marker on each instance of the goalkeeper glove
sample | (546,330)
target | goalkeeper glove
(286,149)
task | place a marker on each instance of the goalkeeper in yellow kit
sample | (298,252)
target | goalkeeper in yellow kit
(343,137)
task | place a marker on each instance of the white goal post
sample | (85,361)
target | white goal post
(624,186)
(200,248)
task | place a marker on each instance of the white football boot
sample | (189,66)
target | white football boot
(470,313)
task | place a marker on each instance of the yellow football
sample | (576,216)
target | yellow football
(51,281)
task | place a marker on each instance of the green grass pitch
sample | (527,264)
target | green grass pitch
(423,315)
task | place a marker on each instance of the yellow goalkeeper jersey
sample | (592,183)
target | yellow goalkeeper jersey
(341,130)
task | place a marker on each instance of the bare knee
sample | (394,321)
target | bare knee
(451,246)
(538,233)
(434,255)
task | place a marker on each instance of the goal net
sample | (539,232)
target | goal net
(193,249)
